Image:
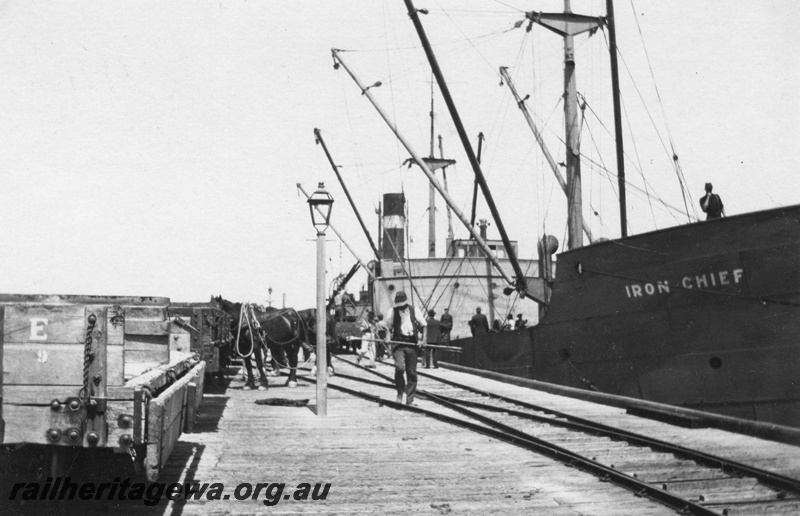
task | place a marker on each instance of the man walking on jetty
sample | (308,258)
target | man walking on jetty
(404,324)
(432,328)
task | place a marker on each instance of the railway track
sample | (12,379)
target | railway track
(686,480)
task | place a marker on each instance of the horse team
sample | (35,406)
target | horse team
(276,333)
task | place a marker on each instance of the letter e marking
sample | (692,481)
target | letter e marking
(38,328)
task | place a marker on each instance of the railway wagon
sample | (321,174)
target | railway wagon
(204,329)
(95,373)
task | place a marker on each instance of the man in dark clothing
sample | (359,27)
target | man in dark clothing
(479,324)
(432,337)
(711,204)
(445,326)
(520,322)
(404,324)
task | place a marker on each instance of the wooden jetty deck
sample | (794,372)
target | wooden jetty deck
(379,460)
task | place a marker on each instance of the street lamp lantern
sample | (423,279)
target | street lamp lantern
(320,204)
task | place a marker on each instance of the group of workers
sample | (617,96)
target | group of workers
(399,336)
(479,324)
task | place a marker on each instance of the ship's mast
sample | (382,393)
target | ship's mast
(567,25)
(435,164)
(612,48)
(574,220)
(431,197)
(450,235)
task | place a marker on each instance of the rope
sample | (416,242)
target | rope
(585,381)
(243,312)
(88,358)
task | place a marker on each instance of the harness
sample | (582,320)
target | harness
(281,314)
(247,315)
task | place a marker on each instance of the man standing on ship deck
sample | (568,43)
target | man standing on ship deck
(479,324)
(712,204)
(406,321)
(445,325)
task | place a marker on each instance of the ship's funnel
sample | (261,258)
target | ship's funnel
(394,223)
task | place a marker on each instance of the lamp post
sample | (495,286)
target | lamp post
(320,204)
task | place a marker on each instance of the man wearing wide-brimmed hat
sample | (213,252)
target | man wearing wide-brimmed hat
(405,323)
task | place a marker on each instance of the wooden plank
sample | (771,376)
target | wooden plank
(115,331)
(29,424)
(48,299)
(200,380)
(115,363)
(44,324)
(194,396)
(145,312)
(156,377)
(41,394)
(155,430)
(43,364)
(146,348)
(191,409)
(165,422)
(146,327)
(173,425)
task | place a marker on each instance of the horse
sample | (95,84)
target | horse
(281,331)
(245,343)
(309,317)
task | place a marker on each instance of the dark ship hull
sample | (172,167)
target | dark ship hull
(705,315)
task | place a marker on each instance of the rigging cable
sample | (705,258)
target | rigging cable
(639,162)
(638,168)
(676,163)
(672,154)
(391,82)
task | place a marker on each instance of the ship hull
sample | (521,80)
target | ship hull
(705,315)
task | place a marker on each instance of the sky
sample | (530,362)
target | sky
(153,148)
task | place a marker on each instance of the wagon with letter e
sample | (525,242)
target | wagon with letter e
(206,330)
(97,373)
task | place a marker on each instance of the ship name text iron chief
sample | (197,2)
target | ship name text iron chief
(712,280)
